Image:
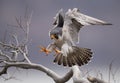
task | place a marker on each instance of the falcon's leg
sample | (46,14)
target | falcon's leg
(50,48)
(57,51)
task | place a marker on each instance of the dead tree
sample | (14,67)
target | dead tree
(15,54)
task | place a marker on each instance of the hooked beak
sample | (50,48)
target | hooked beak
(52,36)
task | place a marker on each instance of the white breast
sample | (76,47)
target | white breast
(59,44)
(66,49)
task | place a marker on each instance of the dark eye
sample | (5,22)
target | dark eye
(56,36)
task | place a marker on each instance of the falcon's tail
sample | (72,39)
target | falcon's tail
(79,56)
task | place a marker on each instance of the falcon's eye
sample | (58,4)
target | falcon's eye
(56,36)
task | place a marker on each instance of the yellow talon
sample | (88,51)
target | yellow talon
(43,49)
(57,51)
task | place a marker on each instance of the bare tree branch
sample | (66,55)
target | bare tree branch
(6,56)
(39,67)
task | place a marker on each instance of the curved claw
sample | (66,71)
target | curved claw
(43,49)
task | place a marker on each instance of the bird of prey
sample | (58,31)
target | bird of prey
(65,34)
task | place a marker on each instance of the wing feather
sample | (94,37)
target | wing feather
(74,20)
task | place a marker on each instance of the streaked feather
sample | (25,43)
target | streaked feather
(64,61)
(77,59)
(73,60)
(85,57)
(57,57)
(60,59)
(69,61)
(74,20)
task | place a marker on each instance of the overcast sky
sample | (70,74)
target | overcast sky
(103,40)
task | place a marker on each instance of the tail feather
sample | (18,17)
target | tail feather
(87,51)
(64,61)
(57,57)
(73,61)
(78,60)
(75,58)
(60,59)
(85,55)
(79,56)
(69,61)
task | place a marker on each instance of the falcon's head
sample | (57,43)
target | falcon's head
(56,33)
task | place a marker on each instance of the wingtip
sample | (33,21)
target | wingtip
(108,24)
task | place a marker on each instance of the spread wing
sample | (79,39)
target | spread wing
(58,21)
(74,20)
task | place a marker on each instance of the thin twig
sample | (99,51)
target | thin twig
(19,23)
(16,39)
(25,55)
(8,45)
(6,56)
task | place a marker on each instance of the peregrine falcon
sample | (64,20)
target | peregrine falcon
(65,34)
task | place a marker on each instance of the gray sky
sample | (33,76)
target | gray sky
(103,40)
